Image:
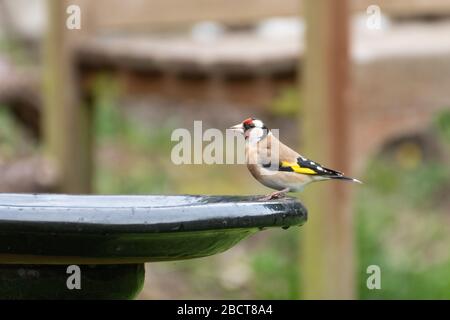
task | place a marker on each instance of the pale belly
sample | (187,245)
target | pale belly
(279,180)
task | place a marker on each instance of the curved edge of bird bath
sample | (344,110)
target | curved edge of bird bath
(71,229)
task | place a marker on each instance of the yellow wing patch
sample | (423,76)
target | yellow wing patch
(296,168)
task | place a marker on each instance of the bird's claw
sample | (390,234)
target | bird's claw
(273,196)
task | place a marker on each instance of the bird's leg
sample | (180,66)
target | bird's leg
(276,195)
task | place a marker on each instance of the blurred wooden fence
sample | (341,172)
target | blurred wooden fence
(142,14)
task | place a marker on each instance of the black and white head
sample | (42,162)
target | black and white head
(252,129)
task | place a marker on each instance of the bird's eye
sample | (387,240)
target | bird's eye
(248,125)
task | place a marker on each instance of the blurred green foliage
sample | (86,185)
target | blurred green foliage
(8,132)
(405,232)
(287,103)
(442,124)
(15,52)
(13,140)
(138,152)
(403,226)
(275,269)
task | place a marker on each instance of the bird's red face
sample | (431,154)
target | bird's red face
(248,124)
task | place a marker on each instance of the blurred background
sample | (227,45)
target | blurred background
(360,86)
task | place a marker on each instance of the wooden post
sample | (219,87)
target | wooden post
(327,260)
(67,122)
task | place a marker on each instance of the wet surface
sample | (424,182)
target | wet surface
(131,229)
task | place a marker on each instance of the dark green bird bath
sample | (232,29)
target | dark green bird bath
(109,238)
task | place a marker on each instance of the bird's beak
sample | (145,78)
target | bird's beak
(237,128)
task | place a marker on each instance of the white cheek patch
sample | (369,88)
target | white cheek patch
(255,134)
(258,123)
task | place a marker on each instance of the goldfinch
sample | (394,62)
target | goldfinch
(277,166)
